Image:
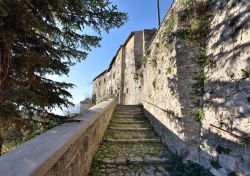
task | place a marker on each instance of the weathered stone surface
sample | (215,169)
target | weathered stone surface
(227,162)
(61,151)
(219,172)
(128,154)
(77,159)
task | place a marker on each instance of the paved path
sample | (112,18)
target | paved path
(130,147)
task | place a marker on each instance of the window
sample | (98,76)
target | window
(114,75)
(104,80)
(99,83)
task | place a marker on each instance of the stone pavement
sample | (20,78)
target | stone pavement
(130,147)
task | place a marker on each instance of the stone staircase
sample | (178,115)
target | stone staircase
(130,146)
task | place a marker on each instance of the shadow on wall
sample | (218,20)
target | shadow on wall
(231,32)
(227,161)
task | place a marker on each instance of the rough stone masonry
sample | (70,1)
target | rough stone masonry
(193,78)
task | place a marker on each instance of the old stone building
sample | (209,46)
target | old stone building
(121,78)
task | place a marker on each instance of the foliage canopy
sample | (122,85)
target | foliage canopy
(41,37)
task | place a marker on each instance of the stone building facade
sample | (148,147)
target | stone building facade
(161,72)
(120,79)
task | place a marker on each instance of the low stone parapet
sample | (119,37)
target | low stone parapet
(64,150)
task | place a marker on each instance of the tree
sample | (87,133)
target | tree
(38,38)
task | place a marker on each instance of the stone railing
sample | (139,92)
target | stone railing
(64,150)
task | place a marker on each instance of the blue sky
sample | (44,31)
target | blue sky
(142,15)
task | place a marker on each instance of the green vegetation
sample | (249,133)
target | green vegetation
(193,30)
(198,114)
(215,164)
(146,56)
(202,146)
(40,38)
(168,71)
(232,75)
(170,24)
(232,173)
(245,74)
(93,99)
(222,150)
(186,3)
(248,99)
(154,84)
(198,87)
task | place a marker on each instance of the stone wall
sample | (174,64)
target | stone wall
(168,77)
(227,88)
(220,136)
(64,150)
(134,55)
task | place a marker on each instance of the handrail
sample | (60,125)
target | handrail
(156,106)
(232,134)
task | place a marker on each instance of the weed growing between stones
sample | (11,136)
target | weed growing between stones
(248,99)
(168,71)
(222,150)
(146,56)
(232,76)
(170,25)
(193,29)
(198,114)
(215,164)
(106,150)
(232,174)
(154,84)
(245,74)
(202,146)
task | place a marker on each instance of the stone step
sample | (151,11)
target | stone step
(128,112)
(142,169)
(118,134)
(128,109)
(128,122)
(134,160)
(132,149)
(130,146)
(128,106)
(129,116)
(131,129)
(133,140)
(134,118)
(130,125)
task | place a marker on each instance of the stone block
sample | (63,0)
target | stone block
(219,172)
(227,162)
